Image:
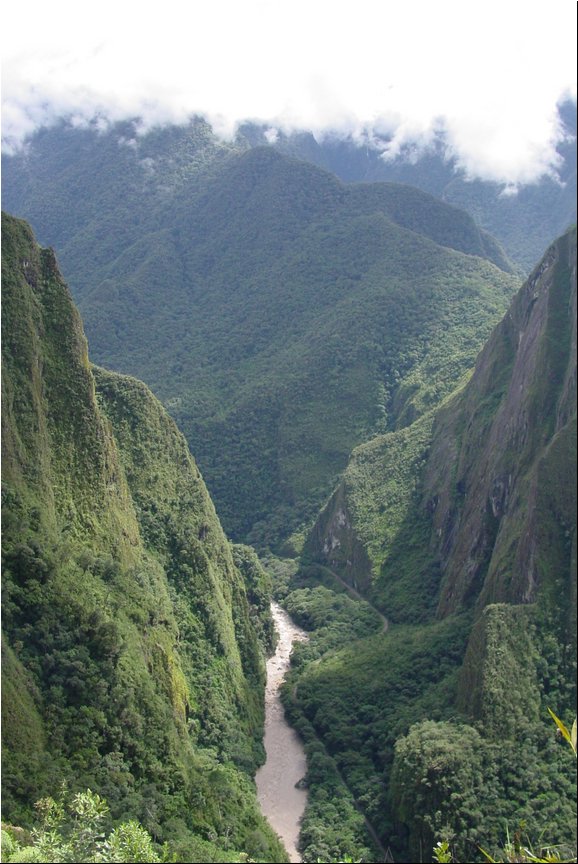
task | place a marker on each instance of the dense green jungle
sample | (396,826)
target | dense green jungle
(524,222)
(379,407)
(134,634)
(303,314)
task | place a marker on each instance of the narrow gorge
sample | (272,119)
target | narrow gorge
(281,794)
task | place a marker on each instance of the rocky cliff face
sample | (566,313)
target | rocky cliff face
(131,662)
(482,492)
(499,476)
(466,519)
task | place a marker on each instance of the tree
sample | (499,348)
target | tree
(72,829)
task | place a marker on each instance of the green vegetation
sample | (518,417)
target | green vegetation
(300,309)
(434,517)
(73,831)
(372,533)
(392,726)
(281,316)
(259,587)
(78,828)
(133,658)
(42,184)
(461,529)
(333,827)
(503,452)
(524,221)
(285,319)
(521,848)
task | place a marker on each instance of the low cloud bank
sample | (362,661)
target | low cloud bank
(484,82)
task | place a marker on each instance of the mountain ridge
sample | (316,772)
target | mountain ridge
(501,404)
(166,154)
(132,662)
(525,219)
(276,298)
(461,529)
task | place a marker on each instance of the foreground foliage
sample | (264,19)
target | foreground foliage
(73,829)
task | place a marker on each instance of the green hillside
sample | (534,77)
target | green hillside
(475,474)
(524,220)
(132,663)
(281,316)
(298,311)
(67,176)
(461,529)
(89,193)
(316,344)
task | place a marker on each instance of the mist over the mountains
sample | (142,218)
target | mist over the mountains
(298,238)
(485,86)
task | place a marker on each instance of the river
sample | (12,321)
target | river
(281,801)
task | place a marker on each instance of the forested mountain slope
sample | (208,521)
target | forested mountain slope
(288,316)
(494,500)
(84,185)
(282,316)
(462,528)
(42,182)
(90,193)
(524,220)
(131,661)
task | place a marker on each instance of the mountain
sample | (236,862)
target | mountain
(90,193)
(280,315)
(495,464)
(524,220)
(132,644)
(67,174)
(285,318)
(461,529)
(274,322)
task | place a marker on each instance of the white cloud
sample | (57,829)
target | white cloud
(490,74)
(271,135)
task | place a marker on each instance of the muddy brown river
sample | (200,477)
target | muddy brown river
(281,801)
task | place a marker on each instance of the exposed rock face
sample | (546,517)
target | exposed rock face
(493,475)
(498,476)
(335,542)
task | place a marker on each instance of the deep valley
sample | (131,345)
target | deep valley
(345,399)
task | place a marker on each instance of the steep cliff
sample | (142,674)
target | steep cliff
(500,475)
(131,661)
(475,503)
(462,529)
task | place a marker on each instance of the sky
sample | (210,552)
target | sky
(484,76)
